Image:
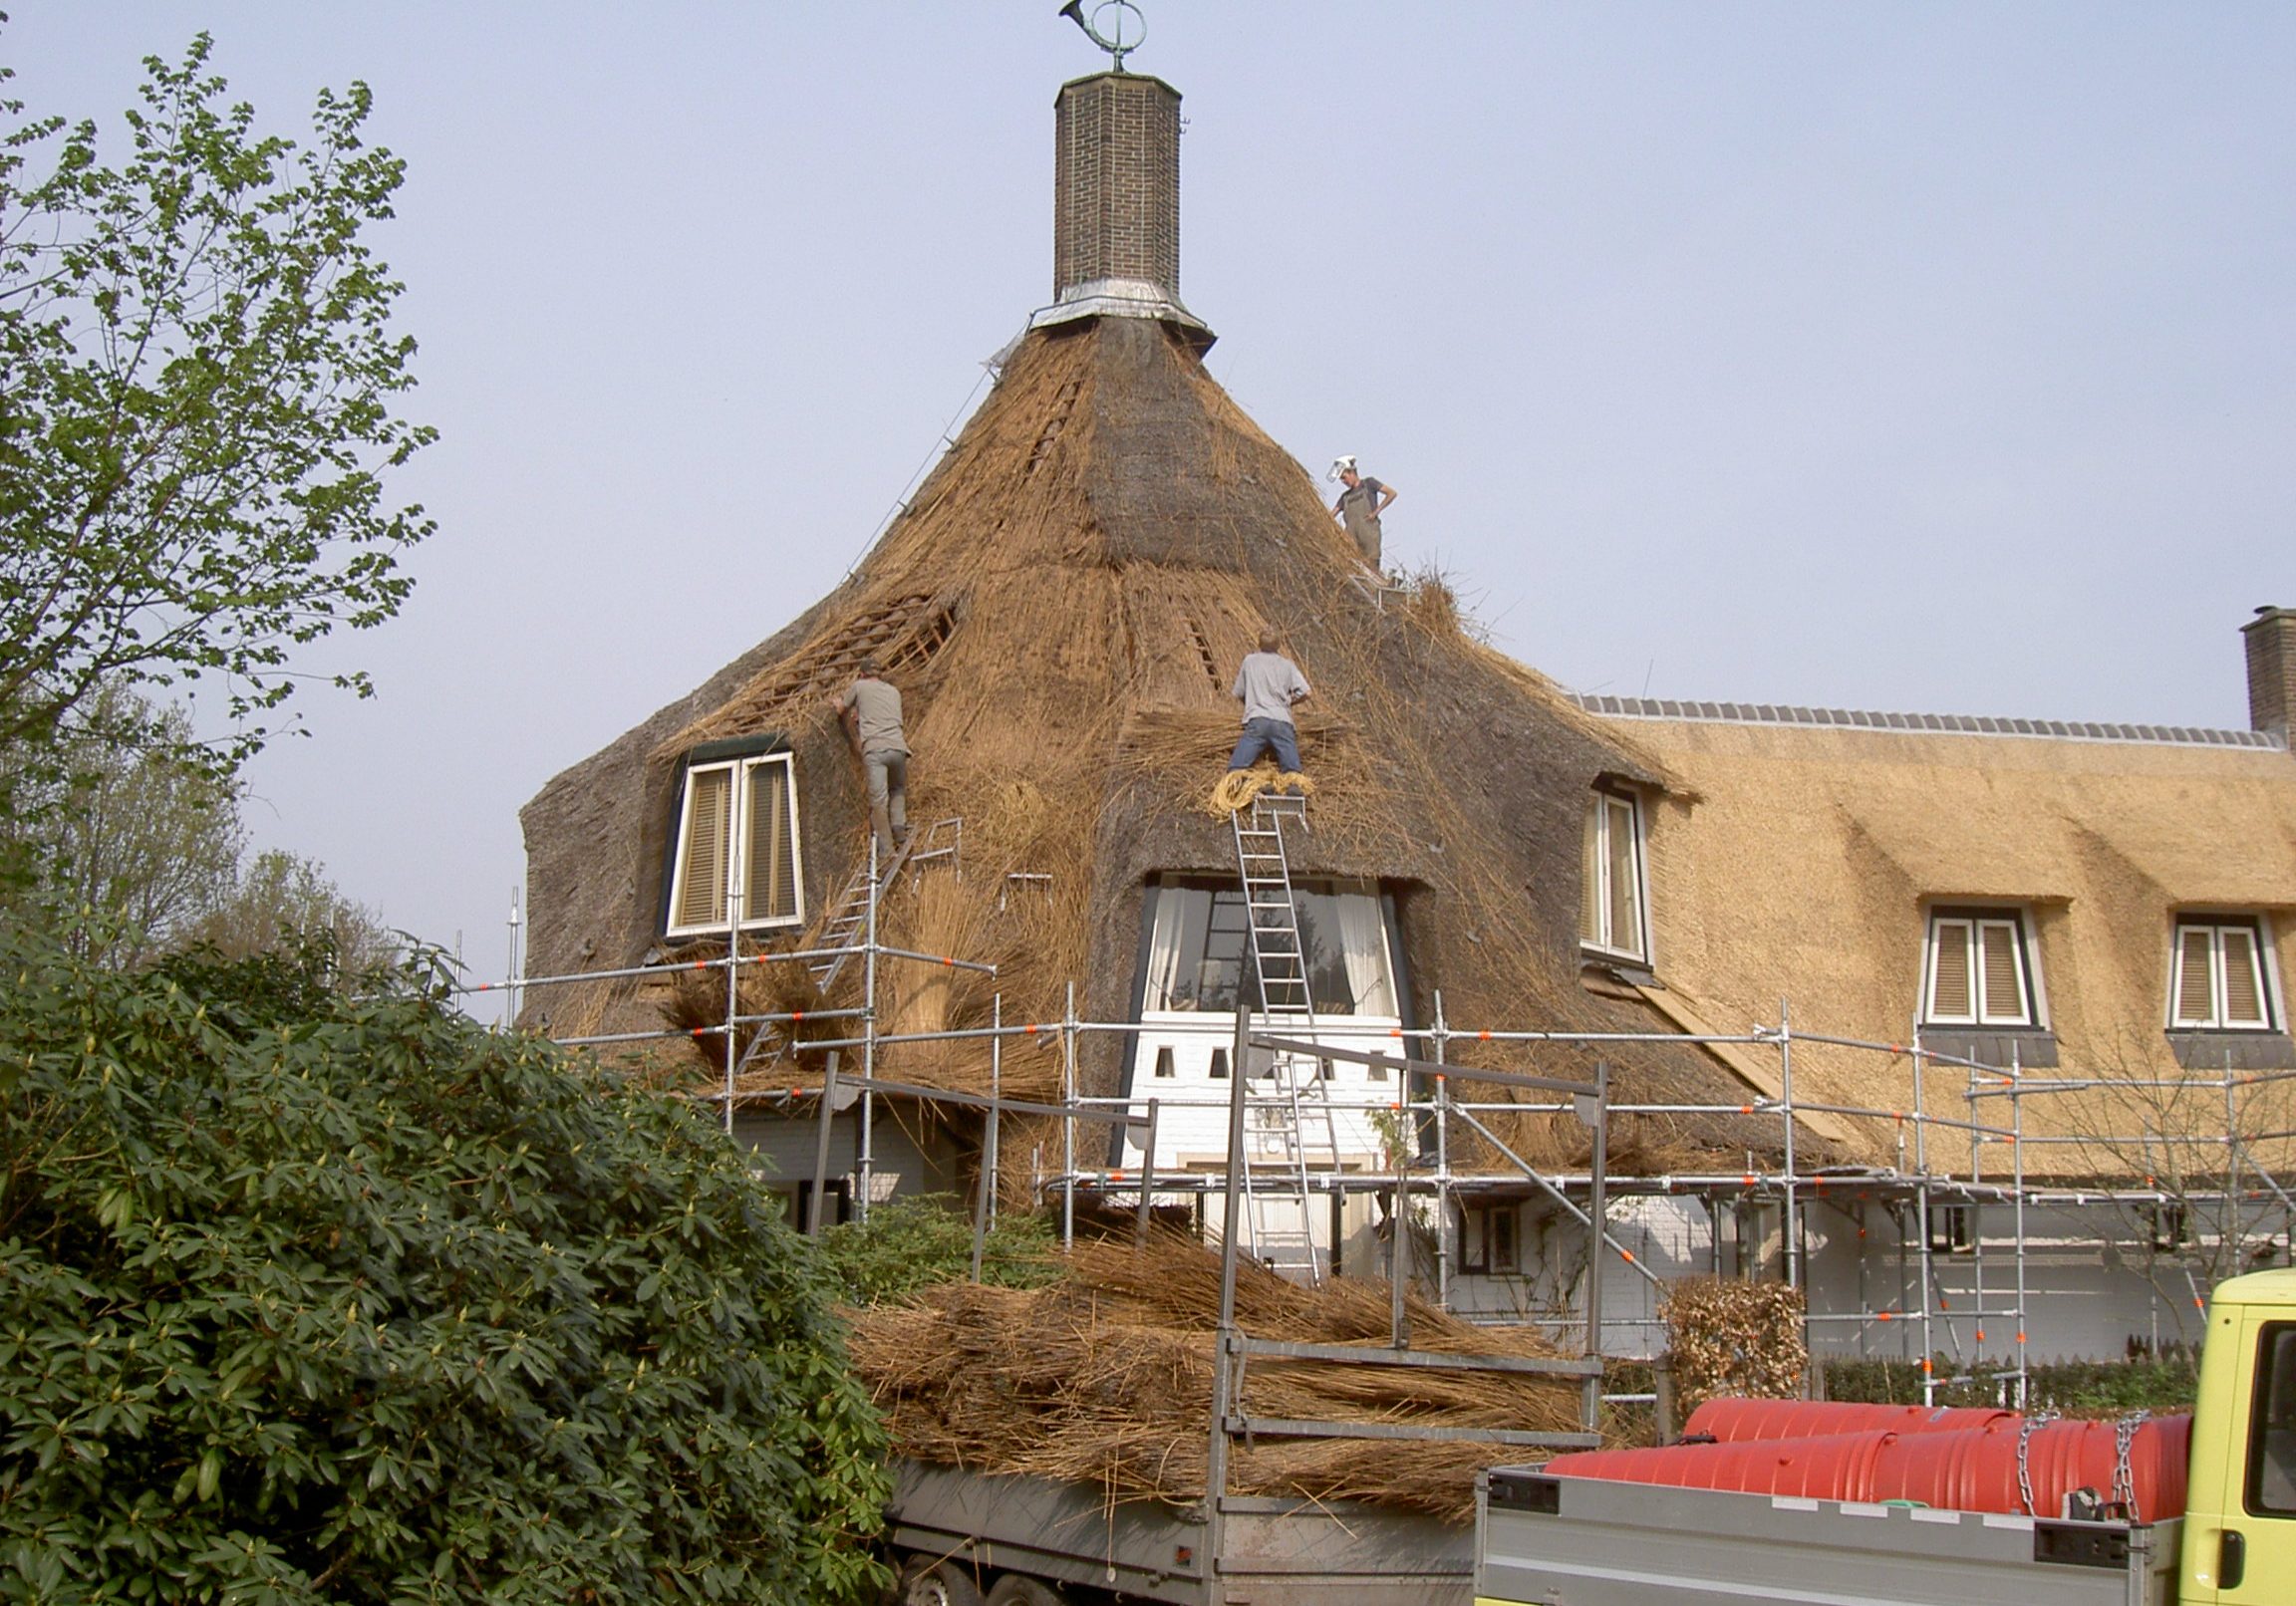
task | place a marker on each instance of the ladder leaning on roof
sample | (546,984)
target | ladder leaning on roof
(1276,1217)
(843,924)
(837,935)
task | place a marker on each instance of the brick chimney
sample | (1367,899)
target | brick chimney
(2271,668)
(1116,202)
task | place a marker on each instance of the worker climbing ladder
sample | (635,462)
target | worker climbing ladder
(1276,1213)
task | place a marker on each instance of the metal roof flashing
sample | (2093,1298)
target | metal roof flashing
(1121,298)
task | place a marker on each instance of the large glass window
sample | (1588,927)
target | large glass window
(2219,975)
(737,829)
(1197,942)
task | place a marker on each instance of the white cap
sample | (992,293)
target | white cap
(1341,465)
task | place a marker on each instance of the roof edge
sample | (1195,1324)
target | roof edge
(1918,724)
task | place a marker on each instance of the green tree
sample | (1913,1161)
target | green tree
(309,1298)
(146,844)
(283,900)
(196,384)
(134,853)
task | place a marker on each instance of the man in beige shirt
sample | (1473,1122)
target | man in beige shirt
(871,711)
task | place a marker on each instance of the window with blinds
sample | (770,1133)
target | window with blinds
(2216,980)
(738,830)
(1610,877)
(1981,969)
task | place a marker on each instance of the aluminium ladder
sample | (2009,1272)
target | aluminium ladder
(848,916)
(1276,1212)
(841,927)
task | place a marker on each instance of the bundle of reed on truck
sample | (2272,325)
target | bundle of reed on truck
(1105,1377)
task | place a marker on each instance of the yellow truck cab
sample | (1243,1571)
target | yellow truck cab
(2240,1510)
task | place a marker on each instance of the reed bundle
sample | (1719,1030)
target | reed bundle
(1106,1378)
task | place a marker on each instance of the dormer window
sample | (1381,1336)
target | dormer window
(737,832)
(1610,911)
(2217,982)
(1198,940)
(1981,969)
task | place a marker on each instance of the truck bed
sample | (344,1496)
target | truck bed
(1258,1553)
(1580,1541)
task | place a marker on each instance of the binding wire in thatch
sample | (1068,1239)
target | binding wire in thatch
(1105,1377)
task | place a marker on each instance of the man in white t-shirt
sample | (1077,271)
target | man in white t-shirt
(1270,685)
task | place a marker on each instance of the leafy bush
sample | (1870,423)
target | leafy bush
(306,1298)
(917,1241)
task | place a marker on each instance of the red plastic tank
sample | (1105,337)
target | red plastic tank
(1976,1471)
(1734,1421)
(1964,1470)
(1837,1466)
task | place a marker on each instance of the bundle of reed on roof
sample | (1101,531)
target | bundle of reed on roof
(1105,1377)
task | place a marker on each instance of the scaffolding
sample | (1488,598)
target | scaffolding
(1960,1172)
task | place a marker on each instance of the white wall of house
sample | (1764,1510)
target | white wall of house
(2095,1281)
(781,1148)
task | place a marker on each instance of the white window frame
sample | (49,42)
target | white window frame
(1971,922)
(2261,958)
(748,780)
(1601,810)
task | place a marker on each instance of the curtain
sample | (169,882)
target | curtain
(1363,939)
(1165,942)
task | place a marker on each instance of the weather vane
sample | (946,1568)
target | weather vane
(1129,20)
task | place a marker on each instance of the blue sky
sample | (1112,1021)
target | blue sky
(1931,357)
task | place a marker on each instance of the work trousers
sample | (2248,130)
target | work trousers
(888,799)
(1266,735)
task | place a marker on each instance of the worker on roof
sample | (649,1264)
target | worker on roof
(871,712)
(1270,686)
(1361,500)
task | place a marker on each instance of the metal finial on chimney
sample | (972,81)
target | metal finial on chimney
(1116,43)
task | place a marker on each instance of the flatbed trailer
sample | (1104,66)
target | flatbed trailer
(1584,1541)
(978,1530)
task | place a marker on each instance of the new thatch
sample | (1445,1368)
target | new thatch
(1063,606)
(1792,860)
(1106,1378)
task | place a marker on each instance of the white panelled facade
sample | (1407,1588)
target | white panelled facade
(1194,970)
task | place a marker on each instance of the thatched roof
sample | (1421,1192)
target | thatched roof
(1063,606)
(1795,860)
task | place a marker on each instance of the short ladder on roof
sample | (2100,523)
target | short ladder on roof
(944,843)
(846,926)
(840,932)
(1275,1183)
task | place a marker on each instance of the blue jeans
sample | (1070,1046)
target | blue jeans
(1267,736)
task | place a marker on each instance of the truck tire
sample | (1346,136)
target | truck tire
(1015,1590)
(926,1581)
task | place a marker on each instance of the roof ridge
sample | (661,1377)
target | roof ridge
(1765,714)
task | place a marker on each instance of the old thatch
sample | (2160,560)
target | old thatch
(1106,1378)
(1063,605)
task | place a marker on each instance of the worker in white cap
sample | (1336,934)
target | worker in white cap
(1361,500)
